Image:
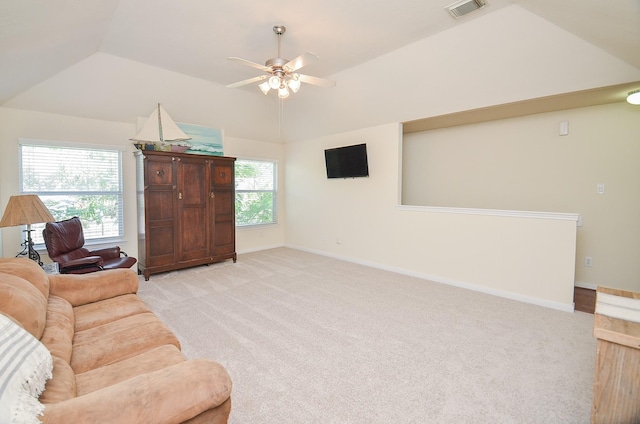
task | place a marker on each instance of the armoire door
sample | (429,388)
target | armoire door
(159,211)
(223,231)
(193,203)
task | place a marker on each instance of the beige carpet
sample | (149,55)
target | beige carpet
(311,339)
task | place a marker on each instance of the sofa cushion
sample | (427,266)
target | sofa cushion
(22,301)
(58,331)
(152,360)
(94,287)
(118,340)
(29,270)
(62,385)
(98,313)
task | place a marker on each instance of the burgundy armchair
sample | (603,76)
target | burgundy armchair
(65,245)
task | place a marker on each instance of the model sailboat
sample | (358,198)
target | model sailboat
(161,131)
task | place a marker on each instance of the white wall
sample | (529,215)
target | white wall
(527,258)
(262,236)
(523,164)
(15,124)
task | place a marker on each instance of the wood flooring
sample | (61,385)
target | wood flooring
(584,299)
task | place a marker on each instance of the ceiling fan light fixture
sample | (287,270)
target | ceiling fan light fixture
(634,97)
(274,82)
(264,87)
(283,92)
(294,83)
(281,73)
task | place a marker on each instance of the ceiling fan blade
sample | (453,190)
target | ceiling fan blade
(300,61)
(247,81)
(249,63)
(316,81)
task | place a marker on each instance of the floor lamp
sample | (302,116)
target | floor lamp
(26,209)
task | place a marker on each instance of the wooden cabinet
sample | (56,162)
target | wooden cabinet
(616,390)
(186,210)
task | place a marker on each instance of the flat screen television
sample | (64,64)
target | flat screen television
(347,162)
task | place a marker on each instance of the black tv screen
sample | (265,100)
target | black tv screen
(347,162)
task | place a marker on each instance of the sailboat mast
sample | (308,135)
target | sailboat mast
(160,125)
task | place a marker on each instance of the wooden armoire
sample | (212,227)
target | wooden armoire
(186,210)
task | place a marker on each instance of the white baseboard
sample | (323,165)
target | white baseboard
(436,279)
(590,286)
(258,249)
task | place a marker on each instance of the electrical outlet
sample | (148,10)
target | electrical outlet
(588,261)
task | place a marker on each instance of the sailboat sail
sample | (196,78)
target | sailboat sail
(160,128)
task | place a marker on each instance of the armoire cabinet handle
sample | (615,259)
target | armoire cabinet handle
(180,195)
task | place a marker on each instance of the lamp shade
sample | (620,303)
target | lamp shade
(25,209)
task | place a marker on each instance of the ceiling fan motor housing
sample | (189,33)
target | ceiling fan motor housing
(276,62)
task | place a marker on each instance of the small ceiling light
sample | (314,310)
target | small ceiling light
(283,93)
(274,82)
(294,83)
(264,87)
(634,97)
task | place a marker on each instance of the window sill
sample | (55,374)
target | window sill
(256,226)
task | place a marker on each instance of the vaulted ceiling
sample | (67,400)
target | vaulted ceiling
(76,44)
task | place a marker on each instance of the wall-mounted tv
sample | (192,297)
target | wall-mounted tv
(347,162)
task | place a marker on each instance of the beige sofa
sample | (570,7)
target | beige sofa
(114,361)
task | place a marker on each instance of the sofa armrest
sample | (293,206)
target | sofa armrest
(171,395)
(80,289)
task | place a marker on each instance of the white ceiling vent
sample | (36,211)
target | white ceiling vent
(460,8)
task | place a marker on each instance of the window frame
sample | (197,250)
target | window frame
(273,191)
(119,194)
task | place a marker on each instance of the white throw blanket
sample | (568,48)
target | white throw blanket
(25,367)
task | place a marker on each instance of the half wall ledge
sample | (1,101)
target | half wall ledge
(495,212)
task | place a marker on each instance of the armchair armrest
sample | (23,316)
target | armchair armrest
(107,252)
(80,289)
(171,395)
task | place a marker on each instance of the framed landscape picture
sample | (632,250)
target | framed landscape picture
(204,140)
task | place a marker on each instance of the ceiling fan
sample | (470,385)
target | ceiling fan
(280,74)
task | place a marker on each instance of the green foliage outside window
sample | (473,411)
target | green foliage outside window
(255,192)
(71,181)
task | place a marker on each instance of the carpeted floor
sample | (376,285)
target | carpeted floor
(311,339)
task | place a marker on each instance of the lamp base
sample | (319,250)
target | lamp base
(28,250)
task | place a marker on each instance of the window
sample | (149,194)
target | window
(75,181)
(255,192)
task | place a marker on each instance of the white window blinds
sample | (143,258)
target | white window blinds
(75,181)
